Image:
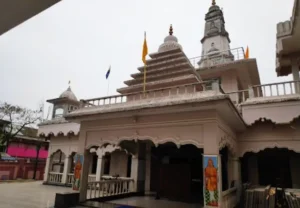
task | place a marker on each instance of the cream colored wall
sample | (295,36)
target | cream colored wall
(230,84)
(118,163)
(64,143)
(183,128)
(266,135)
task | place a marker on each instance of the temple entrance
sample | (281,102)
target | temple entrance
(274,167)
(176,173)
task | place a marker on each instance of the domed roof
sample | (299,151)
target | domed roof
(170,42)
(68,94)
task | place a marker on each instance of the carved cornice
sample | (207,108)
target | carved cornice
(116,141)
(256,147)
(226,139)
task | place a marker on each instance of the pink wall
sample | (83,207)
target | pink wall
(26,151)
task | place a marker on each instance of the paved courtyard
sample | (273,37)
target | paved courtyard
(28,195)
(36,195)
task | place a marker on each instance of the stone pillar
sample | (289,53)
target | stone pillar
(295,72)
(67,166)
(99,171)
(237,176)
(47,169)
(148,168)
(84,175)
(138,168)
(85,167)
(211,151)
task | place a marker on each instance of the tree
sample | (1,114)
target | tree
(18,119)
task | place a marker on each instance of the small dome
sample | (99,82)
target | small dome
(170,42)
(68,94)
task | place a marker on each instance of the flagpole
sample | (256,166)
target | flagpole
(145,78)
(107,86)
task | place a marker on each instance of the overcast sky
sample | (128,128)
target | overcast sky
(77,40)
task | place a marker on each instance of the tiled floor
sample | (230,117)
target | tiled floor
(36,195)
(28,195)
(150,202)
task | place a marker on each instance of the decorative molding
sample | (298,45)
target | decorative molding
(135,137)
(256,147)
(226,139)
(101,151)
(60,133)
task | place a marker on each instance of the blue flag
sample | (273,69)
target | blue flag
(107,73)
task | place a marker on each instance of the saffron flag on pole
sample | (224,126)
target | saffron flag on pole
(247,53)
(145,49)
(107,73)
(145,52)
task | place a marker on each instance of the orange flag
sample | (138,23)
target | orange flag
(247,53)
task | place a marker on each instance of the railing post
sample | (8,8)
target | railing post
(67,165)
(251,91)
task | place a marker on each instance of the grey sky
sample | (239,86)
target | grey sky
(77,40)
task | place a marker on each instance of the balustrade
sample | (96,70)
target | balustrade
(221,57)
(229,198)
(266,90)
(276,89)
(92,178)
(55,177)
(97,189)
(70,178)
(157,93)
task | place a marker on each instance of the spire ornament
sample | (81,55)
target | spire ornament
(171,30)
(213,2)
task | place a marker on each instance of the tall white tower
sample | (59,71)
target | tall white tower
(215,43)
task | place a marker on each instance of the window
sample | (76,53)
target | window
(208,85)
(59,112)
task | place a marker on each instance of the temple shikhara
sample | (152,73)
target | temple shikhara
(204,126)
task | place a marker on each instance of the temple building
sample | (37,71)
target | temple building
(203,127)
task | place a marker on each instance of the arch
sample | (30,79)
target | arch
(59,133)
(261,147)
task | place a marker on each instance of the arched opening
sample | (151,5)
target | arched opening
(176,173)
(278,167)
(57,162)
(224,152)
(59,112)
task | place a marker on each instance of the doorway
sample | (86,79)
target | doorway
(176,173)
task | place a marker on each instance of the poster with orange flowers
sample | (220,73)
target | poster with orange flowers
(211,190)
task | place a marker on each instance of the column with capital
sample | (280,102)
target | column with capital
(67,166)
(100,163)
(47,169)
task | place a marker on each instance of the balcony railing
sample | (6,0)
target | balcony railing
(107,188)
(157,93)
(229,198)
(55,177)
(276,89)
(271,90)
(218,57)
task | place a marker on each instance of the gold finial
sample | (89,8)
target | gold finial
(213,2)
(69,83)
(171,30)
